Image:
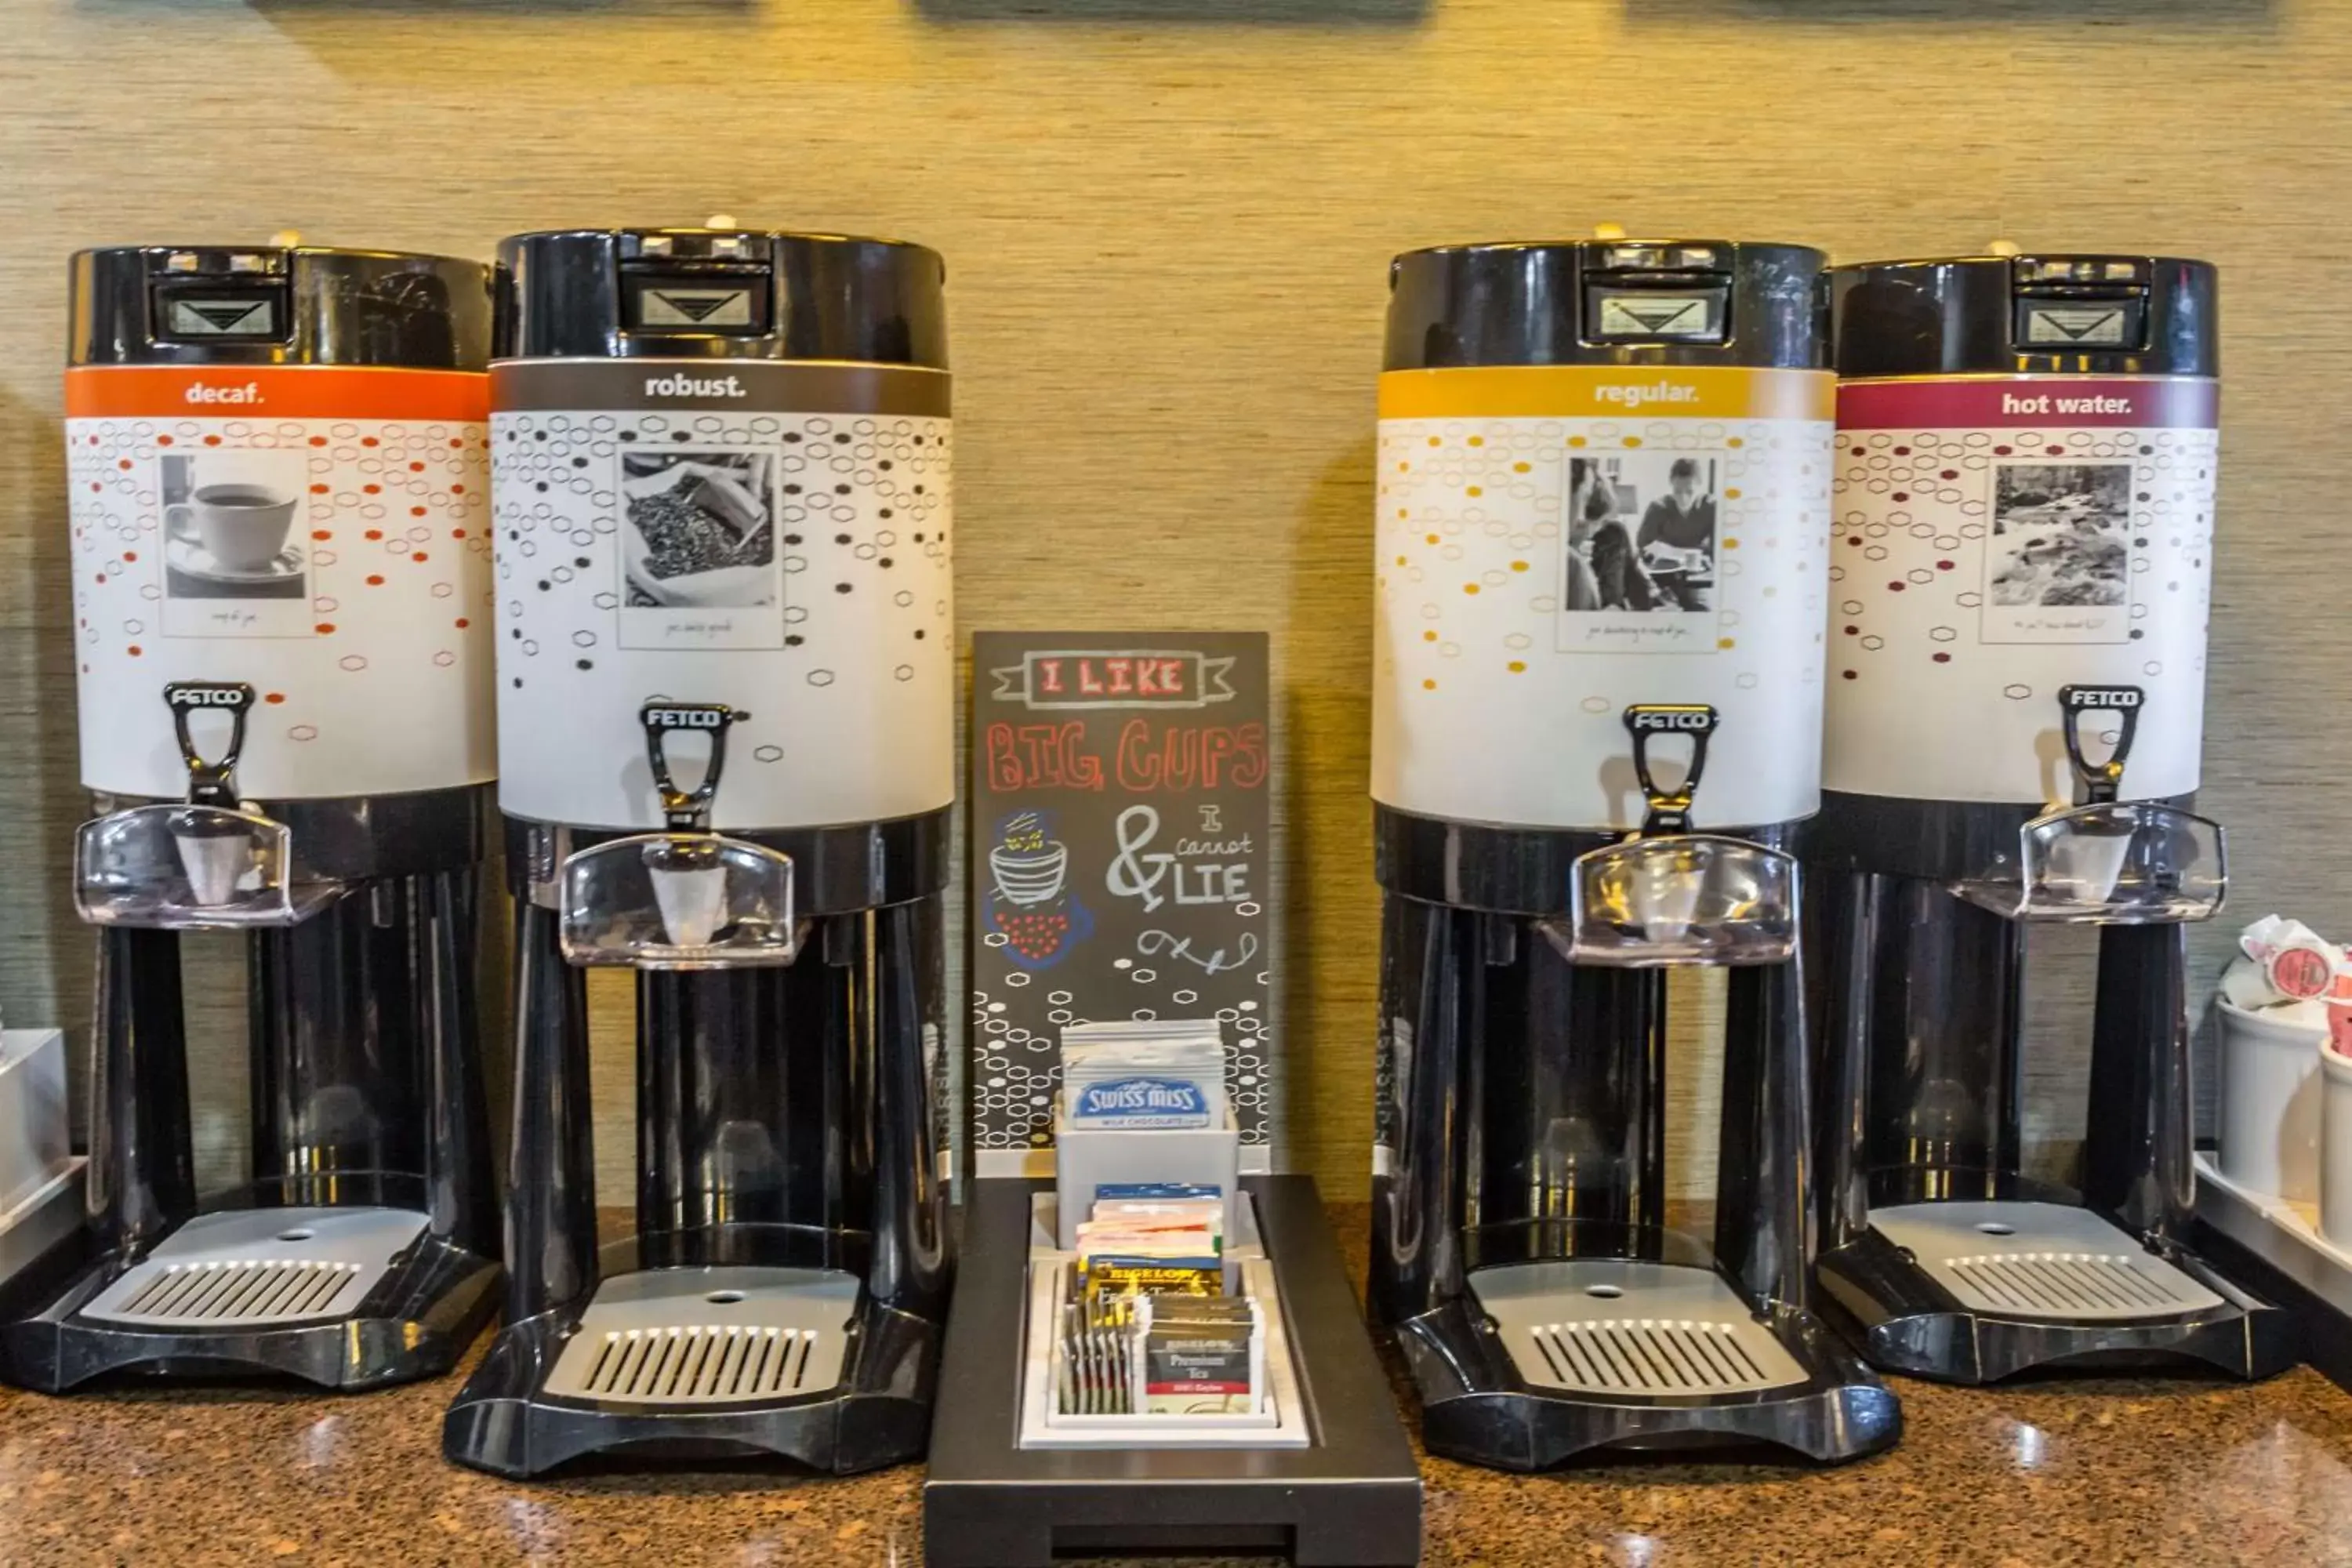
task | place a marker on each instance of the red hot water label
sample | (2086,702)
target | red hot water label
(1998,537)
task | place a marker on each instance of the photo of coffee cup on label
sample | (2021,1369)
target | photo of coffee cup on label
(228,520)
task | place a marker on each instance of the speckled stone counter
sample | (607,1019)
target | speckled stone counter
(2108,1471)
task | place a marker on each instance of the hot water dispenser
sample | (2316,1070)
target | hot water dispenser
(2024,537)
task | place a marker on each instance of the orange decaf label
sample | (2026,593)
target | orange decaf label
(283,392)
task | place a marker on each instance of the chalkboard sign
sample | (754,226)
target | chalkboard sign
(1119,863)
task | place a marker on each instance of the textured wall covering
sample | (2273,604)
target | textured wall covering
(1166,224)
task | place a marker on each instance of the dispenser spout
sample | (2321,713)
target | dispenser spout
(688,897)
(209,862)
(214,853)
(689,890)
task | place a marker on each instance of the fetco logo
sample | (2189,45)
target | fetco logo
(1703,719)
(249,392)
(688,718)
(694,387)
(2089,697)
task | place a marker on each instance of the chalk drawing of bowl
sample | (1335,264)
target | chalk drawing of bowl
(1029,876)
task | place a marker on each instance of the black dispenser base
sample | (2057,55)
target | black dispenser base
(506,1421)
(1352,1496)
(1477,1405)
(1905,1322)
(414,1322)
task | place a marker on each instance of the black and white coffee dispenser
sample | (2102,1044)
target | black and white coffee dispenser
(726,668)
(281,587)
(2025,482)
(1604,499)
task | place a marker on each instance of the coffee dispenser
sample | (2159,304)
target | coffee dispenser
(281,587)
(726,681)
(2024,537)
(1604,505)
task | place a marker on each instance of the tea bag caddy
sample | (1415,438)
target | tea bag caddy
(1604,476)
(40,1176)
(726,671)
(2025,528)
(281,592)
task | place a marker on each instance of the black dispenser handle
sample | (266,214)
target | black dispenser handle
(684,810)
(2101,781)
(1669,810)
(212,781)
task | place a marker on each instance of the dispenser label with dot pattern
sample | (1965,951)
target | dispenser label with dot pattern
(769,535)
(1998,537)
(317,533)
(1559,542)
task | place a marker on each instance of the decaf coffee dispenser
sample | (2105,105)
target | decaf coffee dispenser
(726,675)
(2024,537)
(280,596)
(1604,503)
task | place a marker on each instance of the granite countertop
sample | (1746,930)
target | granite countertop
(2105,1471)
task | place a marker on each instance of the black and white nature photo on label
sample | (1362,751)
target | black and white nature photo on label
(236,560)
(701,563)
(2061,536)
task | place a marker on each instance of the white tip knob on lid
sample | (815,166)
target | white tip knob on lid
(1607,231)
(2003,248)
(286,238)
(720,220)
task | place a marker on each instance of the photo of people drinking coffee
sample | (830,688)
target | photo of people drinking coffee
(228,524)
(1641,533)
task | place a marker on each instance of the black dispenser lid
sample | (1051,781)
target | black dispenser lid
(2049,314)
(1607,302)
(721,293)
(265,305)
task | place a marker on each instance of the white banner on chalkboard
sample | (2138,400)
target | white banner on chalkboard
(1122,677)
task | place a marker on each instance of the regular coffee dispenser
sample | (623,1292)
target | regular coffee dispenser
(280,565)
(2024,537)
(1604,496)
(725,672)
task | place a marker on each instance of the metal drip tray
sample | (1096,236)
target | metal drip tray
(709,1336)
(254,1267)
(2039,1260)
(1609,1326)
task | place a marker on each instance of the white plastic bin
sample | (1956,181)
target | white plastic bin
(2336,1148)
(1086,1157)
(40,1177)
(33,1144)
(2270,1083)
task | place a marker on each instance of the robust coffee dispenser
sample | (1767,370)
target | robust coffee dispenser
(725,684)
(2024,546)
(1603,495)
(281,586)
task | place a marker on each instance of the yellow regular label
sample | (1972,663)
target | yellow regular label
(1603,391)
